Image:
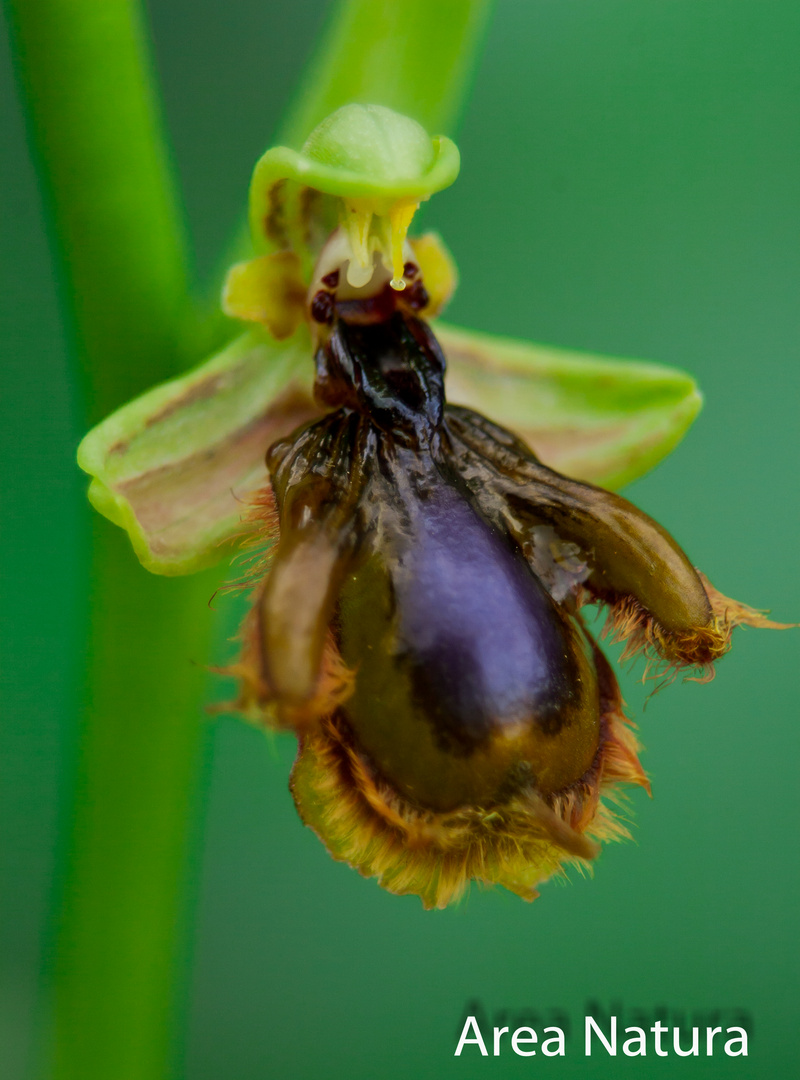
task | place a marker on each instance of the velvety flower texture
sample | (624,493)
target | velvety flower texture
(417,610)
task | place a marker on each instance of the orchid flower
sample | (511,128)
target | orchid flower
(417,604)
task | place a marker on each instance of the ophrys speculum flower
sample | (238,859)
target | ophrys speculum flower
(417,621)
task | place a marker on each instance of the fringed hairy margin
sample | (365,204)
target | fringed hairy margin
(256,699)
(259,537)
(699,647)
(365,823)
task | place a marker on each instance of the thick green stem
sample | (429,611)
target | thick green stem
(119,976)
(95,125)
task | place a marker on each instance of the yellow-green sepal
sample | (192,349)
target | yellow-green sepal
(176,467)
(591,417)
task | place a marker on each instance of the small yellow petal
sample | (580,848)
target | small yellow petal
(437,268)
(267,290)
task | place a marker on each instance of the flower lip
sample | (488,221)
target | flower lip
(420,628)
(499,722)
(485,686)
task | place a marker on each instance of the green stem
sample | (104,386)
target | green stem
(119,974)
(95,124)
(113,211)
(415,56)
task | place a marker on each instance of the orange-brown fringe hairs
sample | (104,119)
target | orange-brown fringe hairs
(667,652)
(365,823)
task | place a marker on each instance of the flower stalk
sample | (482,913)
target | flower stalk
(119,242)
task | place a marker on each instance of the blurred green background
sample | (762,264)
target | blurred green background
(629,186)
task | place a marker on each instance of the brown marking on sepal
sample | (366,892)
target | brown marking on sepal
(275,226)
(203,390)
(173,501)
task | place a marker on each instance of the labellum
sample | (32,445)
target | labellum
(420,625)
(417,611)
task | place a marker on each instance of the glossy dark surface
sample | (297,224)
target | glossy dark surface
(471,682)
(481,636)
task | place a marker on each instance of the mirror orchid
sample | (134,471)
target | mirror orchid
(426,506)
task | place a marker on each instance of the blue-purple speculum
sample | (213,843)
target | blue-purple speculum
(420,626)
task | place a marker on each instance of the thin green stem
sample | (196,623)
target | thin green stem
(85,70)
(415,57)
